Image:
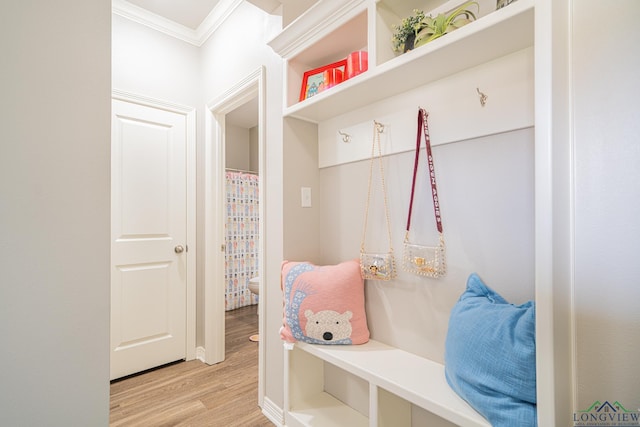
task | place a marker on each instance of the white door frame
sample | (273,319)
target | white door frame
(190,118)
(250,87)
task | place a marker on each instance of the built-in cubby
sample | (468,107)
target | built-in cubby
(381,384)
(390,379)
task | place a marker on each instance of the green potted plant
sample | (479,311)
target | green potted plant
(404,34)
(433,28)
(419,29)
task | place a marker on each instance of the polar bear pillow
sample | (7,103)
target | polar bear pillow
(323,304)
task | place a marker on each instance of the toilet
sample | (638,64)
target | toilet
(254,287)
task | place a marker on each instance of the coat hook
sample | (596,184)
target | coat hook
(345,136)
(379,126)
(483,97)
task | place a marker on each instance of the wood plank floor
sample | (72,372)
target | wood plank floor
(196,394)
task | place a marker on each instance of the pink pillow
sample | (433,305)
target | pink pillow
(324,304)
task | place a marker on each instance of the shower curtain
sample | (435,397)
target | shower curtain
(241,246)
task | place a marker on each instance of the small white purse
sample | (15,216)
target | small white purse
(429,261)
(377,266)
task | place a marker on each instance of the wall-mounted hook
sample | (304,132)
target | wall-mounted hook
(345,136)
(379,126)
(483,97)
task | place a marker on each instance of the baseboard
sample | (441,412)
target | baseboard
(273,412)
(200,354)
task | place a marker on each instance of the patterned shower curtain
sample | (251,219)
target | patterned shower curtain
(241,228)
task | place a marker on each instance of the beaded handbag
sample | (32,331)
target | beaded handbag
(377,266)
(429,261)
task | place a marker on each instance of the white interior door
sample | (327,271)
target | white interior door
(149,231)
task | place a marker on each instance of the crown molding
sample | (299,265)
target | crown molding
(159,23)
(320,19)
(216,17)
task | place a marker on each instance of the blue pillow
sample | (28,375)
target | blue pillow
(490,355)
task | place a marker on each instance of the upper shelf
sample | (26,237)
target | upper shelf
(495,35)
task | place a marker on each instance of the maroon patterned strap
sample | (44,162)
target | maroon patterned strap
(424,126)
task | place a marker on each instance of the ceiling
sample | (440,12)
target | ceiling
(189,13)
(245,116)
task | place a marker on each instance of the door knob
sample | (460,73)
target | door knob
(179,249)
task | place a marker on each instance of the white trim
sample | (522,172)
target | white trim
(311,26)
(200,354)
(151,102)
(216,17)
(214,319)
(192,319)
(246,89)
(152,20)
(554,205)
(543,221)
(273,412)
(190,117)
(195,37)
(571,165)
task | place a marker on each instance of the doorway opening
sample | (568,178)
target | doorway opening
(240,107)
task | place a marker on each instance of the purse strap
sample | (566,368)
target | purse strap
(423,125)
(377,129)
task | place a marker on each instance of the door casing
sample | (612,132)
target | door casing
(190,119)
(248,88)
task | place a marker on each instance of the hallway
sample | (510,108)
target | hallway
(193,393)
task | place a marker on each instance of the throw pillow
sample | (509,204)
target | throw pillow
(323,304)
(490,355)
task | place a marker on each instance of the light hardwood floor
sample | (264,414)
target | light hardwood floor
(193,393)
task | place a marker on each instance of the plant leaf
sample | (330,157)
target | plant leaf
(459,23)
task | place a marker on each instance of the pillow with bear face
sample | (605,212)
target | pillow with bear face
(323,304)
(490,355)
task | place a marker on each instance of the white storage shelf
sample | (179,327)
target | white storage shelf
(325,33)
(398,373)
(495,35)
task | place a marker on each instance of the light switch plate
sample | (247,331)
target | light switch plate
(305,196)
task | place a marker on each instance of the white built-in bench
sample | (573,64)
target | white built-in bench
(396,379)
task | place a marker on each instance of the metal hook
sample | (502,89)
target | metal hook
(345,136)
(379,126)
(483,97)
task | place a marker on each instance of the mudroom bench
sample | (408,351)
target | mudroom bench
(393,379)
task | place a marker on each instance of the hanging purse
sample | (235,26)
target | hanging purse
(429,261)
(377,266)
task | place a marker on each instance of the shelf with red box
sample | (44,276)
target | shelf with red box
(324,35)
(331,29)
(325,77)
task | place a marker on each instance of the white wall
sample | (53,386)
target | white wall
(485,188)
(150,63)
(607,203)
(300,226)
(237,147)
(54,213)
(233,52)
